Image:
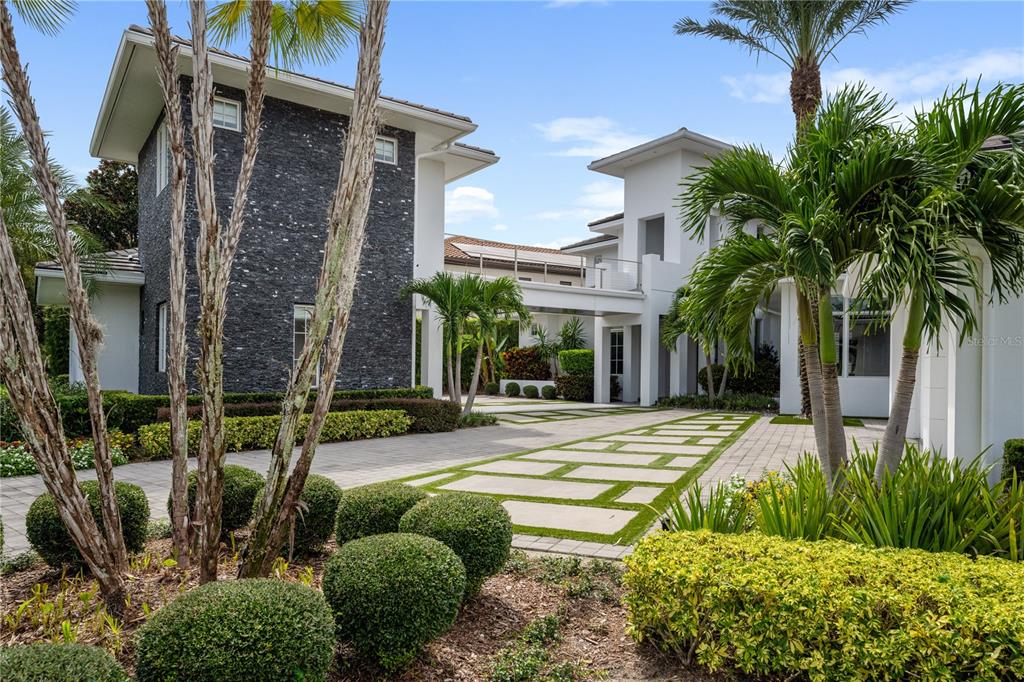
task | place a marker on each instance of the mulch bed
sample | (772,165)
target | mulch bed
(585,596)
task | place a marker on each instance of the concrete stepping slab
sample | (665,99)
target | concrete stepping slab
(690,434)
(431,479)
(620,473)
(527,487)
(518,419)
(568,517)
(512,466)
(641,494)
(591,457)
(666,449)
(667,440)
(709,441)
(589,445)
(684,462)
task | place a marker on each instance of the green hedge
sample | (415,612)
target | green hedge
(44,662)
(1013,458)
(56,338)
(314,522)
(393,593)
(50,538)
(531,391)
(576,362)
(253,433)
(238,631)
(578,387)
(826,610)
(732,402)
(373,509)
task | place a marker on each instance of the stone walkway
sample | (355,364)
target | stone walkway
(560,414)
(349,464)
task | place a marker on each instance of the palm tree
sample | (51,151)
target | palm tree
(705,331)
(801,34)
(965,200)
(450,297)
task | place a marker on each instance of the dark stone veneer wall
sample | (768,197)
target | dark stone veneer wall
(281,250)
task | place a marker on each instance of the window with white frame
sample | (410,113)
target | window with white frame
(386,150)
(862,338)
(163,156)
(300,332)
(227,114)
(615,354)
(161,340)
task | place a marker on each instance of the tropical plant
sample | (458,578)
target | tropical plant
(704,333)
(546,346)
(108,206)
(450,299)
(716,511)
(570,335)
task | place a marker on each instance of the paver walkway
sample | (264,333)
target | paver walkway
(349,464)
(555,413)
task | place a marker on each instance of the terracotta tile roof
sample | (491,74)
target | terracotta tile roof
(124,260)
(451,248)
(178,39)
(607,219)
(455,256)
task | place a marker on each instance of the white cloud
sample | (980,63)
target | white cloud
(593,136)
(596,200)
(913,85)
(500,227)
(467,203)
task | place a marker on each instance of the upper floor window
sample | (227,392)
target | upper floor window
(386,150)
(163,154)
(161,339)
(227,114)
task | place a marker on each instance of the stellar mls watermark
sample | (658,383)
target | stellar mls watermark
(993,340)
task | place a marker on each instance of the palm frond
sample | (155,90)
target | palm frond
(46,16)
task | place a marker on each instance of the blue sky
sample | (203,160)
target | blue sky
(556,85)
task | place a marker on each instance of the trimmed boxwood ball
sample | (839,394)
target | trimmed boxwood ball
(531,391)
(491,388)
(238,631)
(476,527)
(373,509)
(51,540)
(314,522)
(548,392)
(241,488)
(393,593)
(512,389)
(46,662)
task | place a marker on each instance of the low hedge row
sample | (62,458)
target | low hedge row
(733,402)
(577,387)
(128,411)
(252,433)
(577,362)
(46,662)
(826,610)
(1013,458)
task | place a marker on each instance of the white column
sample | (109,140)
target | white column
(678,367)
(630,364)
(602,375)
(431,340)
(649,357)
(789,361)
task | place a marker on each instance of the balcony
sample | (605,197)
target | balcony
(567,270)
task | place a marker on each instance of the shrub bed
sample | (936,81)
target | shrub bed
(50,538)
(576,387)
(733,402)
(826,610)
(252,433)
(16,460)
(526,364)
(1013,458)
(46,662)
(393,593)
(373,509)
(242,487)
(238,631)
(476,527)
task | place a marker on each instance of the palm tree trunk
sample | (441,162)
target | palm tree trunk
(177,357)
(476,377)
(87,330)
(335,290)
(805,392)
(450,359)
(808,334)
(725,378)
(804,90)
(895,436)
(830,384)
(711,376)
(458,363)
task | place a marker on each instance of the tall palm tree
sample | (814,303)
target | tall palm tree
(450,297)
(966,200)
(801,34)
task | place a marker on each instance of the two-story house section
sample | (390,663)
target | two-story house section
(281,249)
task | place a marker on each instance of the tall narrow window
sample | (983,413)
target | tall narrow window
(163,154)
(161,340)
(616,352)
(862,338)
(227,114)
(300,326)
(386,150)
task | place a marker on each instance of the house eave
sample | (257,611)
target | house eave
(616,164)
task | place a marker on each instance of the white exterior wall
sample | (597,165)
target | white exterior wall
(428,256)
(116,309)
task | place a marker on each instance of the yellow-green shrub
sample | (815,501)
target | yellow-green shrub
(826,610)
(252,433)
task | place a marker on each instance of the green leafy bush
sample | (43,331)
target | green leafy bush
(373,509)
(826,610)
(531,391)
(491,388)
(50,538)
(761,379)
(242,488)
(548,392)
(1013,458)
(56,338)
(512,389)
(252,433)
(45,662)
(393,593)
(476,527)
(16,460)
(732,402)
(238,631)
(578,387)
(478,419)
(314,522)
(577,362)
(526,364)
